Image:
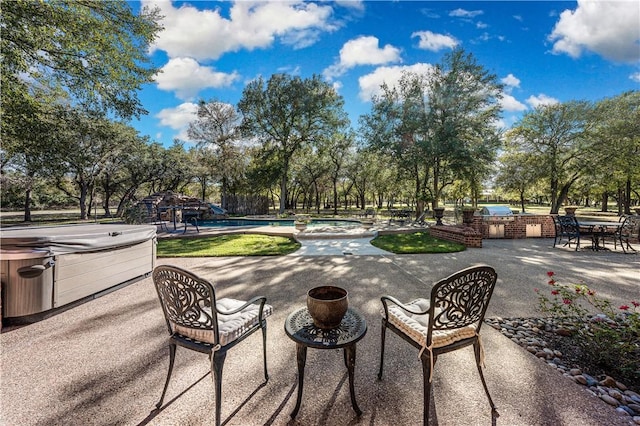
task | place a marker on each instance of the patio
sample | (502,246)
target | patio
(104,362)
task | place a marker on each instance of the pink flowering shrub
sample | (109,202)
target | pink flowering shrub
(608,336)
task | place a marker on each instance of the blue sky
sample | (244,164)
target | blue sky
(543,51)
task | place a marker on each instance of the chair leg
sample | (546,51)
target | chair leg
(264,350)
(426,373)
(476,349)
(217,362)
(384,333)
(172,358)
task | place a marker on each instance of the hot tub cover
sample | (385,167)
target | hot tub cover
(74,238)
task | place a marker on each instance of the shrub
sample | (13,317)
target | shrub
(608,337)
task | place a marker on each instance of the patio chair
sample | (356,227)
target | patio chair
(570,229)
(198,321)
(627,233)
(449,320)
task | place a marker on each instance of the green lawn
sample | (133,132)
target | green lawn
(417,242)
(227,245)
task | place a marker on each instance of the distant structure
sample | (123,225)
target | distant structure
(165,204)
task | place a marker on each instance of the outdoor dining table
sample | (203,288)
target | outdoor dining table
(598,230)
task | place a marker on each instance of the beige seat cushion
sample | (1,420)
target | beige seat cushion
(230,327)
(417,326)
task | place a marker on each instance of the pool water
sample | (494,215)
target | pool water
(274,222)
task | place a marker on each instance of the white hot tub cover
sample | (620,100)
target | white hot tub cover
(74,238)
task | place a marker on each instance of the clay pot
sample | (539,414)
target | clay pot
(327,305)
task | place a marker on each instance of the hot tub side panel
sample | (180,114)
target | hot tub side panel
(78,275)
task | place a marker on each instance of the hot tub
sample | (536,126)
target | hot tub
(45,269)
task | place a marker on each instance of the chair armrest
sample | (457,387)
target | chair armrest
(386,299)
(261,299)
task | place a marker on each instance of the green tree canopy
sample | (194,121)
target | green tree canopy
(286,113)
(95,51)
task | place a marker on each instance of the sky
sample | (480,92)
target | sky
(542,51)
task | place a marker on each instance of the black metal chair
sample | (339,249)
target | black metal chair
(570,229)
(198,321)
(449,320)
(627,233)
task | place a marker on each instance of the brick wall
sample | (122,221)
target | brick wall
(516,228)
(458,234)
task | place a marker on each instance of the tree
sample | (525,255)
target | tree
(396,129)
(337,148)
(616,137)
(438,126)
(68,52)
(463,108)
(215,129)
(84,147)
(94,51)
(285,114)
(558,137)
(518,173)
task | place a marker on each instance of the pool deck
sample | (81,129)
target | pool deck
(104,362)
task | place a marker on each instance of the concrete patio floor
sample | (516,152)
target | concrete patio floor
(104,362)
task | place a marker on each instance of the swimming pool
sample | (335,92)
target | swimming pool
(275,222)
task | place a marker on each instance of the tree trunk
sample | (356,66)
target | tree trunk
(522,201)
(27,205)
(335,196)
(83,201)
(627,197)
(605,202)
(283,194)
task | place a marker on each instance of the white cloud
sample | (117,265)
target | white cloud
(363,50)
(635,77)
(178,118)
(462,13)
(540,100)
(609,28)
(370,83)
(186,77)
(511,104)
(205,34)
(351,4)
(511,81)
(435,42)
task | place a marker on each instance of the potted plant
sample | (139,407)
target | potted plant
(301,222)
(467,215)
(439,212)
(571,210)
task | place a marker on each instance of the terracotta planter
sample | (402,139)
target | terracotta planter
(327,306)
(570,211)
(467,216)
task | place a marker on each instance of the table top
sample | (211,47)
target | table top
(599,223)
(300,328)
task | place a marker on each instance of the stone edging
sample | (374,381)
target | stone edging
(528,333)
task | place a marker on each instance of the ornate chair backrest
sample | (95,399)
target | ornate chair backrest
(630,227)
(569,225)
(461,299)
(184,297)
